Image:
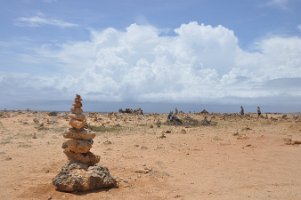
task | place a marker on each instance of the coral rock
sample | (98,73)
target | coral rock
(77,123)
(83,134)
(86,158)
(81,177)
(78,146)
(77,104)
(80,117)
(76,110)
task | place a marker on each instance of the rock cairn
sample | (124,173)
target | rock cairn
(81,172)
(77,148)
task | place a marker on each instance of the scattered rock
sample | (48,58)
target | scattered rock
(138,111)
(173,119)
(143,148)
(297,142)
(246,129)
(162,136)
(146,170)
(242,137)
(289,141)
(52,113)
(8,158)
(158,123)
(107,142)
(183,131)
(36,121)
(206,122)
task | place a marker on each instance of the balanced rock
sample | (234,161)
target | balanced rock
(80,117)
(77,123)
(83,134)
(86,158)
(78,146)
(76,110)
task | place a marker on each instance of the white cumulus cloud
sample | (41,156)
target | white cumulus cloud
(197,62)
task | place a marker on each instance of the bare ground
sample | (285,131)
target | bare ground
(239,158)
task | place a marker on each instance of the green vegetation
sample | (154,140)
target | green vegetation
(103,129)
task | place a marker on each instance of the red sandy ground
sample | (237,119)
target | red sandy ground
(240,158)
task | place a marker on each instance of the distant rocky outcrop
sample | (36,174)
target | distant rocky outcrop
(173,119)
(137,111)
(53,113)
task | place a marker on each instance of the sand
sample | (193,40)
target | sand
(239,158)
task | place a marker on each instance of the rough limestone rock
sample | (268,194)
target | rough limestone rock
(80,117)
(77,123)
(82,134)
(86,158)
(80,177)
(81,172)
(76,110)
(78,146)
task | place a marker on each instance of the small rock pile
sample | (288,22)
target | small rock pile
(81,172)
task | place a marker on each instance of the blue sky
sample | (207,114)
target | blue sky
(194,51)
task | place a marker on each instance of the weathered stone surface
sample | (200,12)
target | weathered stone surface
(76,110)
(83,134)
(77,123)
(77,104)
(79,177)
(78,146)
(80,117)
(86,158)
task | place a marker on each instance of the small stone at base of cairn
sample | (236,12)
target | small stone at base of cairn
(79,177)
(81,173)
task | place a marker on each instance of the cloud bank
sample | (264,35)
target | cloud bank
(194,63)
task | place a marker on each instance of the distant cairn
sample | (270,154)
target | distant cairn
(242,111)
(258,111)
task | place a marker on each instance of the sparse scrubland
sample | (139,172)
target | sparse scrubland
(227,156)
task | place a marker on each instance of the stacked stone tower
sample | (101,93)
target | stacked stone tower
(81,172)
(77,148)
